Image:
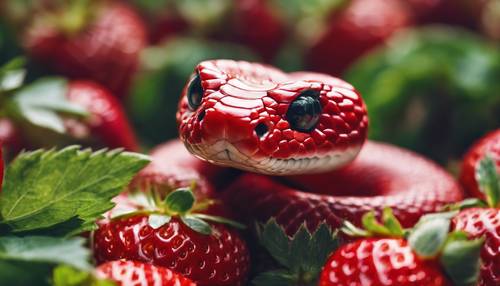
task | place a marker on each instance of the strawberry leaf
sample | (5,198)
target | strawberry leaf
(180,201)
(12,74)
(275,240)
(47,188)
(461,259)
(391,223)
(430,234)
(42,249)
(197,224)
(41,103)
(219,219)
(303,255)
(488,180)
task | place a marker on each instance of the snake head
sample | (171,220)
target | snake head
(257,118)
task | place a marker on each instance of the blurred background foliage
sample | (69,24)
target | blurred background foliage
(429,70)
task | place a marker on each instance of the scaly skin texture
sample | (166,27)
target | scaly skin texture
(381,176)
(107,120)
(355,30)
(487,145)
(478,222)
(216,260)
(106,50)
(126,273)
(379,262)
(240,96)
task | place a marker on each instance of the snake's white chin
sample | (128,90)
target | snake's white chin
(223,153)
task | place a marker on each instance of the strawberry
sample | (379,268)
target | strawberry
(483,222)
(386,254)
(355,30)
(167,232)
(100,41)
(125,273)
(481,176)
(489,144)
(379,261)
(107,120)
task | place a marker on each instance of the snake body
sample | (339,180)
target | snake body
(295,137)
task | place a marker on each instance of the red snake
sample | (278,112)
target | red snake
(265,122)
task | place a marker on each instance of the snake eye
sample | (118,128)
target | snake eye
(303,113)
(195,92)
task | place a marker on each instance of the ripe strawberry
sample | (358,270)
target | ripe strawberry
(382,261)
(481,176)
(126,273)
(100,41)
(489,144)
(355,30)
(167,233)
(107,120)
(483,222)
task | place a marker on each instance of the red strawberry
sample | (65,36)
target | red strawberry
(355,30)
(479,222)
(126,273)
(107,120)
(103,46)
(379,262)
(171,235)
(489,144)
(481,176)
(10,137)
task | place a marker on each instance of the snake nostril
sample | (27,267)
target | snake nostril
(261,129)
(201,115)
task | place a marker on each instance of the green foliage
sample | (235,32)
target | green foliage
(302,255)
(434,90)
(46,188)
(488,180)
(67,276)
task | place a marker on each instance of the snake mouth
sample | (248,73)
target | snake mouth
(224,153)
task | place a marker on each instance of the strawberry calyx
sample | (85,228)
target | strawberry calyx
(180,203)
(431,239)
(388,227)
(488,180)
(301,256)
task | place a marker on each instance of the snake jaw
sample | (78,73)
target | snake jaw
(242,120)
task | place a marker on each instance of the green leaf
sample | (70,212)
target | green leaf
(299,249)
(41,103)
(46,188)
(274,278)
(64,275)
(43,249)
(197,225)
(12,74)
(322,244)
(429,236)
(392,223)
(158,220)
(275,240)
(23,273)
(219,219)
(461,259)
(180,201)
(303,255)
(488,180)
(371,224)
